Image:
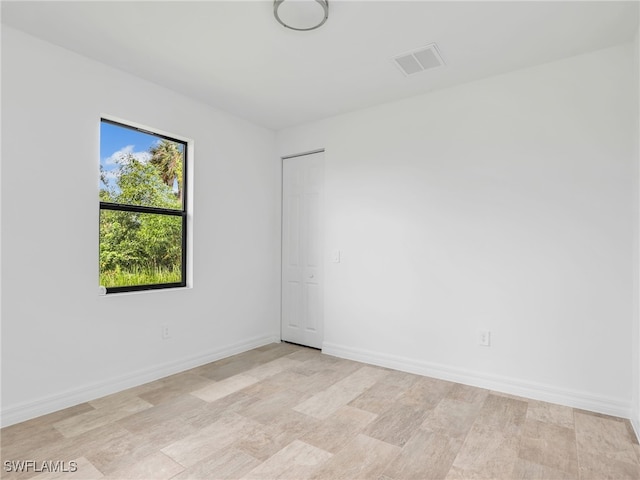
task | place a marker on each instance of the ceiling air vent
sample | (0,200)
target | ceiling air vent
(419,60)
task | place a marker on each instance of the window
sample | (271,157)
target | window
(143,216)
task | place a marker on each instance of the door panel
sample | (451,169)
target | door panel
(312,205)
(313,306)
(293,234)
(302,249)
(293,300)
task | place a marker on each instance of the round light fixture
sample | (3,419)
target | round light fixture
(301,15)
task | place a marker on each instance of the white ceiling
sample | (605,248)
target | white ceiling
(234,55)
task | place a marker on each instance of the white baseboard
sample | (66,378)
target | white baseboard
(532,390)
(635,423)
(52,403)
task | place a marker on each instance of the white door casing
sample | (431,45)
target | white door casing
(302,249)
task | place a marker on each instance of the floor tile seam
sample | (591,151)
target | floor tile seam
(406,441)
(119,405)
(343,386)
(609,460)
(449,467)
(161,450)
(603,416)
(415,425)
(92,414)
(492,429)
(552,425)
(377,414)
(440,431)
(459,452)
(140,460)
(240,374)
(78,434)
(42,423)
(101,470)
(542,463)
(168,442)
(504,430)
(234,446)
(160,408)
(264,365)
(330,454)
(224,389)
(101,414)
(393,458)
(617,420)
(197,434)
(603,457)
(593,452)
(334,390)
(575,439)
(574,445)
(329,385)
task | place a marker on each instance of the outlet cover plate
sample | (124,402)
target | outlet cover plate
(484,338)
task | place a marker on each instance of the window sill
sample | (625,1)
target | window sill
(142,292)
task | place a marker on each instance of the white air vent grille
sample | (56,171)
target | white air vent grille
(419,60)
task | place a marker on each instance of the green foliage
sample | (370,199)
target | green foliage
(138,276)
(168,159)
(139,248)
(141,184)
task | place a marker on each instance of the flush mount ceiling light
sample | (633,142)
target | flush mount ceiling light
(301,15)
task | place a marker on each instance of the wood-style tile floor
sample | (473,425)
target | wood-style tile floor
(283,411)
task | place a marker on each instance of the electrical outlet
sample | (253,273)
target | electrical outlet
(484,338)
(166,333)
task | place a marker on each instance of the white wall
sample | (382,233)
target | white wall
(61,342)
(504,205)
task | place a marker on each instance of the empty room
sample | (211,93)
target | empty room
(320,239)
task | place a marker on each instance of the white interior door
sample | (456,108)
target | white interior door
(302,249)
